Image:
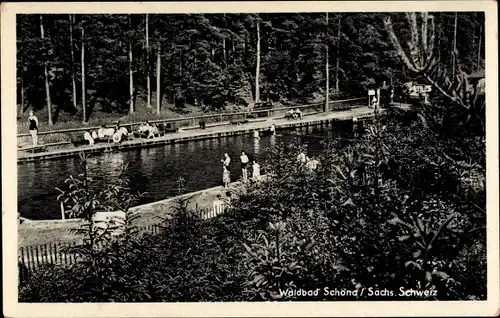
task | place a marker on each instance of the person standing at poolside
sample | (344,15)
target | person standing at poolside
(244,166)
(33,127)
(226,161)
(256,171)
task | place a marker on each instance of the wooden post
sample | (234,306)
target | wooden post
(377,104)
(29,253)
(23,263)
(46,253)
(54,248)
(65,258)
(62,211)
(37,257)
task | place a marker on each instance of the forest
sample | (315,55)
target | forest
(79,64)
(408,189)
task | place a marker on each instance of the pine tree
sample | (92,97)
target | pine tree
(130,68)
(257,66)
(73,82)
(47,84)
(337,55)
(158,79)
(148,69)
(84,89)
(214,60)
(327,91)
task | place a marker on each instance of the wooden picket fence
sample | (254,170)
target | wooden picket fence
(31,258)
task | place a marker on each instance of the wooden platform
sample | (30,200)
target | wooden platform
(199,134)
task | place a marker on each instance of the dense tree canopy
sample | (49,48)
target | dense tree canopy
(209,60)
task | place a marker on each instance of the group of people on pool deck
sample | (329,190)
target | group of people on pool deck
(294,114)
(310,163)
(226,174)
(116,133)
(148,129)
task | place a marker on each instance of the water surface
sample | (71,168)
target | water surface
(155,170)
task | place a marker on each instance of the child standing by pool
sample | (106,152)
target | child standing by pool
(255,171)
(226,177)
(273,129)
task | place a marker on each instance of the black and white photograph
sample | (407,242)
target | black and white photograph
(240,153)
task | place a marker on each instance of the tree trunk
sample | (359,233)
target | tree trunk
(257,67)
(148,78)
(327,93)
(180,62)
(21,109)
(224,42)
(84,90)
(479,47)
(130,68)
(234,52)
(454,56)
(224,51)
(47,85)
(158,79)
(73,82)
(337,57)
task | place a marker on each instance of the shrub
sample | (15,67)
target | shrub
(398,206)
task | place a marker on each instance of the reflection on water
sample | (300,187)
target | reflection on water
(256,145)
(272,140)
(153,170)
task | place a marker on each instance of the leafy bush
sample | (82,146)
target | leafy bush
(396,206)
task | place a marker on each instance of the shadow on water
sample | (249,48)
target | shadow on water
(156,170)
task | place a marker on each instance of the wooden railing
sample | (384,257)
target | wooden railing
(208,119)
